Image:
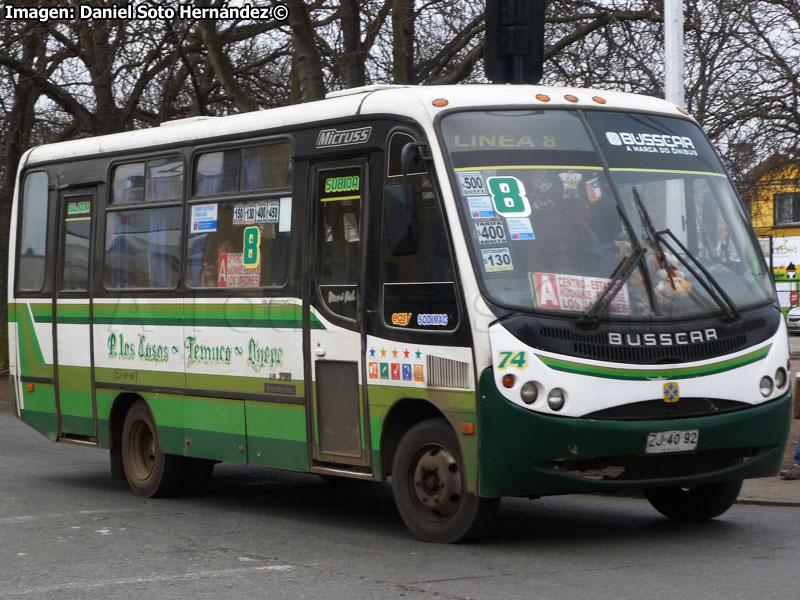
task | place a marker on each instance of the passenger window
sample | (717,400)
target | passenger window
(33,234)
(339,198)
(239,244)
(419,289)
(142,248)
(265,167)
(156,180)
(216,173)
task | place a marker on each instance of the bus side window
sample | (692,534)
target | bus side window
(33,234)
(419,290)
(143,244)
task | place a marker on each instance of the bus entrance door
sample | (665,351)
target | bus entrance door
(77,415)
(337,411)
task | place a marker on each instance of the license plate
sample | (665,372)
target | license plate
(672,441)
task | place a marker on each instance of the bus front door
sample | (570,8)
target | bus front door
(337,412)
(77,414)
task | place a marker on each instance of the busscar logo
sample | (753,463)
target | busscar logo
(346,137)
(683,338)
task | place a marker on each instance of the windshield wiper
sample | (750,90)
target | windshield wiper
(618,279)
(658,239)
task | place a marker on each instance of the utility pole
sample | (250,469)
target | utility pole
(673,52)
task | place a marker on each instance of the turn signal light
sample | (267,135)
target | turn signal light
(509,381)
(30,387)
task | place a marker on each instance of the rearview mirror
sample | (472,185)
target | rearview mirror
(400,219)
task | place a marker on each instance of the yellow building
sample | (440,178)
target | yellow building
(773,189)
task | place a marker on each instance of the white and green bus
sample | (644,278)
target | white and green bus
(478,291)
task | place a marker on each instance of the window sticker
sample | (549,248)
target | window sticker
(555,291)
(508,196)
(251,248)
(204,218)
(496,259)
(471,183)
(79,208)
(520,229)
(401,319)
(490,232)
(267,212)
(238,214)
(249,214)
(480,207)
(285,215)
(231,272)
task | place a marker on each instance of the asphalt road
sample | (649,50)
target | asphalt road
(68,531)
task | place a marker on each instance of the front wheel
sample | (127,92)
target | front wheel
(698,503)
(430,488)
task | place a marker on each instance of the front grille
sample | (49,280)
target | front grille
(658,409)
(595,344)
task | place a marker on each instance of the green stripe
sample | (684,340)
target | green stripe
(654,374)
(288,316)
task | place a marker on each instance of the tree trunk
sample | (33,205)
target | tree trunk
(306,55)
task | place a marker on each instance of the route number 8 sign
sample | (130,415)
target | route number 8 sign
(508,196)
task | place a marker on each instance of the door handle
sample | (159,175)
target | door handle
(319,351)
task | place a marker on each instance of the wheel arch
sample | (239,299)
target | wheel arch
(402,416)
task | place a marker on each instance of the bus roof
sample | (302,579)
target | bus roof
(403,100)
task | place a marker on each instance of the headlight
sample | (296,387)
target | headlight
(781,377)
(555,399)
(766,386)
(529,392)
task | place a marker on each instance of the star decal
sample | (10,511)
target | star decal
(383,353)
(394,353)
(406,353)
(372,351)
(418,353)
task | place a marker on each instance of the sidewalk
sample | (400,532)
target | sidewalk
(766,490)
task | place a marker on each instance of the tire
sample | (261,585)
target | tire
(699,503)
(150,472)
(197,475)
(429,489)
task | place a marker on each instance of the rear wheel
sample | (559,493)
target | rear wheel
(149,472)
(429,486)
(698,503)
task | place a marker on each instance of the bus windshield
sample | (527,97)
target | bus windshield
(555,201)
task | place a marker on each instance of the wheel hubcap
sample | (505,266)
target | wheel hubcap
(437,481)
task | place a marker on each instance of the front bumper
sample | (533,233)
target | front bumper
(523,453)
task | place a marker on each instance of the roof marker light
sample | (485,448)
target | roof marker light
(682,110)
(599,99)
(571,98)
(543,97)
(440,103)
